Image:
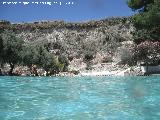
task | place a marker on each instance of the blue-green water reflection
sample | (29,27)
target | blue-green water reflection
(80,98)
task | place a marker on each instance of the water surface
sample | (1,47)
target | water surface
(80,98)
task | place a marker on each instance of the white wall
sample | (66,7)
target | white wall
(151,68)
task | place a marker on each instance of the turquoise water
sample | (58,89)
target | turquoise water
(80,98)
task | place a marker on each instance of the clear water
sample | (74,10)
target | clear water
(80,98)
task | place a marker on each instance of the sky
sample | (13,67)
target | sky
(69,10)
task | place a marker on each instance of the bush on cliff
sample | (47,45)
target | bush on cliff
(147,52)
(40,56)
(10,47)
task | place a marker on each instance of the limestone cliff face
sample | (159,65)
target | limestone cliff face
(76,39)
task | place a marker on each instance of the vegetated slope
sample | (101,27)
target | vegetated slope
(76,40)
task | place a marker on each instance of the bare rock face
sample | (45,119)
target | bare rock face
(75,40)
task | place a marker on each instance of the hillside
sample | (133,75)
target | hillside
(94,41)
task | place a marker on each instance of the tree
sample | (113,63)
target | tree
(140,5)
(47,60)
(146,20)
(88,57)
(11,47)
(29,55)
(63,60)
(149,14)
(39,55)
(35,55)
(1,48)
(1,51)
